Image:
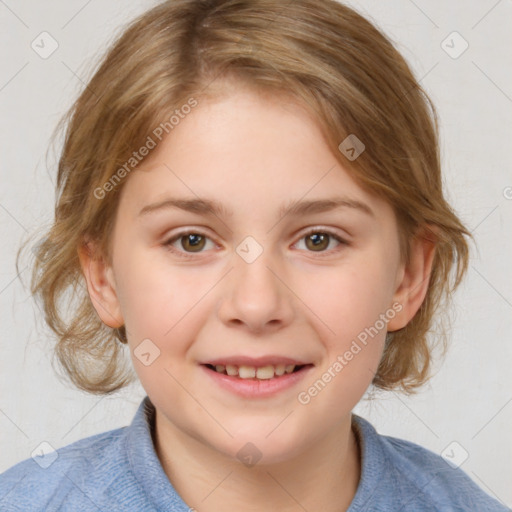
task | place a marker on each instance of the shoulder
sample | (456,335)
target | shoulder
(417,478)
(82,470)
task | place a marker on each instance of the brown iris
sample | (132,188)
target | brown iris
(319,241)
(193,242)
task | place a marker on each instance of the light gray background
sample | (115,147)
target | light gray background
(470,398)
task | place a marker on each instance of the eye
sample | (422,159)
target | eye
(318,240)
(190,242)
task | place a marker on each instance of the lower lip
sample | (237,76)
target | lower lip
(255,388)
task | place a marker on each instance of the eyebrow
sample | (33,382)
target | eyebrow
(203,206)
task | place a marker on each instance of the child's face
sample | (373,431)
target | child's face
(304,299)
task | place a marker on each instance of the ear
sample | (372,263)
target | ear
(100,284)
(414,280)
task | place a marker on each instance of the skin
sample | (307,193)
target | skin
(253,153)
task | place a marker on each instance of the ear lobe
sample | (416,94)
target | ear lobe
(413,287)
(100,285)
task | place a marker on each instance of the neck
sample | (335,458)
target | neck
(319,478)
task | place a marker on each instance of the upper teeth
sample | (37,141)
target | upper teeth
(251,372)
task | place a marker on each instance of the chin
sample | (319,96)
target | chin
(253,446)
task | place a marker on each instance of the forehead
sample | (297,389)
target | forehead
(241,152)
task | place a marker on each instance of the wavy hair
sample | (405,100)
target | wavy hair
(320,52)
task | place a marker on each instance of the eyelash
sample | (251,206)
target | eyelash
(187,255)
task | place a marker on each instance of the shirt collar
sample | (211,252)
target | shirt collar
(373,464)
(145,464)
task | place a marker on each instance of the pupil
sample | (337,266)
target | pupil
(193,241)
(318,239)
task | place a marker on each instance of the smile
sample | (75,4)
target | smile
(253,372)
(256,379)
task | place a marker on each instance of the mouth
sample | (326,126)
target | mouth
(256,377)
(265,372)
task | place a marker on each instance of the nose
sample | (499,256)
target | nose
(256,296)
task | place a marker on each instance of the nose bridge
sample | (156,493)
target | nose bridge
(255,274)
(255,296)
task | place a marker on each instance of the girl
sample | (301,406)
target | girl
(250,193)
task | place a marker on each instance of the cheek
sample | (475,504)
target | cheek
(351,302)
(164,308)
(153,295)
(349,298)
(353,317)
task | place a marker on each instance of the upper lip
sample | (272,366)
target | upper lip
(257,362)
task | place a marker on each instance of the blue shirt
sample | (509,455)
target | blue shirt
(120,470)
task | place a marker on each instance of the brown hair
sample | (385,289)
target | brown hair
(319,52)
